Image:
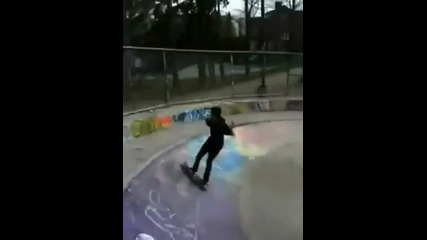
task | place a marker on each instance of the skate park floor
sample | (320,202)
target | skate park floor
(255,192)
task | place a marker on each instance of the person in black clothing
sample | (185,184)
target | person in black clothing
(214,143)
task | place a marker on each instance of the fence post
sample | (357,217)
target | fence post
(264,60)
(288,64)
(127,79)
(232,73)
(262,89)
(167,92)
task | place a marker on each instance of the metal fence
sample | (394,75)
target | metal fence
(155,76)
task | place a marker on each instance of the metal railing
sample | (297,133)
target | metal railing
(154,77)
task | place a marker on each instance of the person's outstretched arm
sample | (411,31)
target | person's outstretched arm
(229,130)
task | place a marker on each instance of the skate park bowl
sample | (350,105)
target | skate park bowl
(256,186)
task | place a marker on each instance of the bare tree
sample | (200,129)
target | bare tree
(254,6)
(251,9)
(293,4)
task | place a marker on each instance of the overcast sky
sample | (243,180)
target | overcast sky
(236,7)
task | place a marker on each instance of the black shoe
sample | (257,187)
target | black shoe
(203,187)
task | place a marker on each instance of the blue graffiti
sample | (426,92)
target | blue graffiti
(228,161)
(192,115)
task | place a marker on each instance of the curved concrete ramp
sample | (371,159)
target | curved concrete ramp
(255,190)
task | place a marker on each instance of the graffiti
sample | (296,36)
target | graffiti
(295,105)
(259,106)
(227,161)
(239,108)
(146,126)
(264,106)
(161,217)
(179,117)
(192,115)
(166,121)
(231,158)
(143,127)
(253,106)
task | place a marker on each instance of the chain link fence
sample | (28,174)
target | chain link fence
(154,76)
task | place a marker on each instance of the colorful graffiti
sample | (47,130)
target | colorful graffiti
(192,115)
(232,157)
(146,126)
(142,127)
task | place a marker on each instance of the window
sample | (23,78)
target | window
(285,36)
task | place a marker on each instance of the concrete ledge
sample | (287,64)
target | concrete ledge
(142,124)
(140,152)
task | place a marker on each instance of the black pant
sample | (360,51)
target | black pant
(212,150)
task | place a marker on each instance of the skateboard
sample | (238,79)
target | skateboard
(195,179)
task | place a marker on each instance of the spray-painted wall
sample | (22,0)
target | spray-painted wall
(140,127)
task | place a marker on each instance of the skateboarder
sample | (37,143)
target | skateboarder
(214,143)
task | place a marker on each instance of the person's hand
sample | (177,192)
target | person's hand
(232,128)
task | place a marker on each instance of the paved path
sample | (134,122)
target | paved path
(244,199)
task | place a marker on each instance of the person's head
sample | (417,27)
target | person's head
(216,111)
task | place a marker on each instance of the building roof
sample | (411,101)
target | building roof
(282,10)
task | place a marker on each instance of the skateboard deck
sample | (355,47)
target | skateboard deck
(195,179)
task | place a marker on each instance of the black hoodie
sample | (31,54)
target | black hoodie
(218,128)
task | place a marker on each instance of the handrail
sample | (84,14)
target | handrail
(211,51)
(194,101)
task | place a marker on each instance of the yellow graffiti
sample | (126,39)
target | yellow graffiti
(239,108)
(139,127)
(143,127)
